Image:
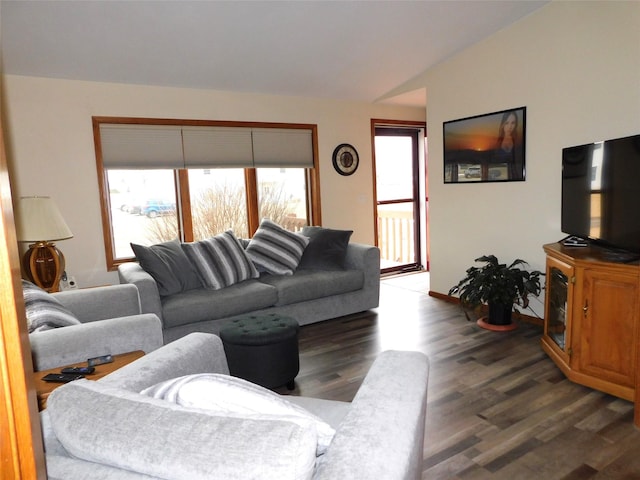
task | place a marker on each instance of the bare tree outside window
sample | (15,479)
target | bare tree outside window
(218,209)
(281,197)
(144,210)
(162,229)
(222,207)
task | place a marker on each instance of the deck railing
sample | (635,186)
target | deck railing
(396,237)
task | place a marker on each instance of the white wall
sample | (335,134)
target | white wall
(576,67)
(51,151)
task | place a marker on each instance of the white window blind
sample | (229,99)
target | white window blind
(127,146)
(282,147)
(141,146)
(210,147)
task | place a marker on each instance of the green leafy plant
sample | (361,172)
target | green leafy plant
(497,283)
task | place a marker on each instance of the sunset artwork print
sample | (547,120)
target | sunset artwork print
(485,148)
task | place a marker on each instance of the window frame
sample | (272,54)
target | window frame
(185,222)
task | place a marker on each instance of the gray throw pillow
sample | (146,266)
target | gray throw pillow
(43,311)
(220,261)
(326,250)
(276,250)
(169,267)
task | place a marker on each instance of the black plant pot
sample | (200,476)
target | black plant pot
(500,314)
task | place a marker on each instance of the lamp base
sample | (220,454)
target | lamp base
(43,264)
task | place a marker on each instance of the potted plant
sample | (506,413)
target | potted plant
(499,286)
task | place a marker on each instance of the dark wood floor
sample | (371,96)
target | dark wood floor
(498,407)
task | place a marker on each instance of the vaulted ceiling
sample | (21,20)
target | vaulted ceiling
(352,50)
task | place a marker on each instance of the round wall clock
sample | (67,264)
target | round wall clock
(345,159)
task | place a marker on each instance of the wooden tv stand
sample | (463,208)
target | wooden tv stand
(592,319)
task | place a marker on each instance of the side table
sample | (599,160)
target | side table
(43,389)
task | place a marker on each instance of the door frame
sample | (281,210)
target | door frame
(21,447)
(421,231)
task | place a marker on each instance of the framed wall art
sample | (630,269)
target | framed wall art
(485,148)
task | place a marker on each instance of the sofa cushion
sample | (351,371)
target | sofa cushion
(310,284)
(227,395)
(276,250)
(205,304)
(157,438)
(220,261)
(43,310)
(327,248)
(169,267)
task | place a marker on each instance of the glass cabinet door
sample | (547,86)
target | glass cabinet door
(556,321)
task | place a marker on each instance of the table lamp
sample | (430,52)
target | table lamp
(38,220)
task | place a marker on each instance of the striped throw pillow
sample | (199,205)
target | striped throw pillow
(276,250)
(43,310)
(220,261)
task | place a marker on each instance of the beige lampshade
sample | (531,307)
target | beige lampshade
(39,220)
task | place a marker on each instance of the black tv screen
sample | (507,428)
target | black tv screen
(601,192)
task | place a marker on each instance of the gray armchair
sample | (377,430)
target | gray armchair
(380,434)
(112,322)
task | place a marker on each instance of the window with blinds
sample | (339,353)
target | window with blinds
(191,179)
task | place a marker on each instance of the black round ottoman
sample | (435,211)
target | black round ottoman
(263,349)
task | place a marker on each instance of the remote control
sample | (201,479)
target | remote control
(575,242)
(79,370)
(62,377)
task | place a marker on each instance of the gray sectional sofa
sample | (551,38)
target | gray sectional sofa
(127,435)
(309,295)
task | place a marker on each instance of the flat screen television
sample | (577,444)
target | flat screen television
(601,192)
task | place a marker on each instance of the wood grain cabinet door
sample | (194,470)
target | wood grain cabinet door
(608,326)
(560,278)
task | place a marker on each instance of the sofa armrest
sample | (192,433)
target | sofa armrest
(193,353)
(132,272)
(74,344)
(100,303)
(382,435)
(366,258)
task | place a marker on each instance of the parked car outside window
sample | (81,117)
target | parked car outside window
(154,208)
